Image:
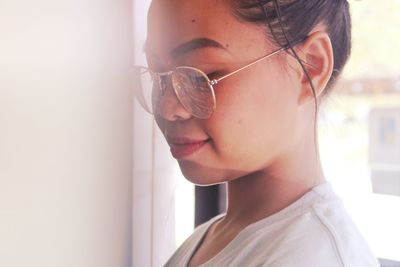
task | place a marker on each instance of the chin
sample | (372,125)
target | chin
(204,175)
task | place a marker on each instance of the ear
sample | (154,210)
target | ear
(316,54)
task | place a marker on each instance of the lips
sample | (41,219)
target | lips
(183,147)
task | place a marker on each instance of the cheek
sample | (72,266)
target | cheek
(259,97)
(253,118)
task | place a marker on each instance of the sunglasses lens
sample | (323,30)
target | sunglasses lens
(146,89)
(191,87)
(194,91)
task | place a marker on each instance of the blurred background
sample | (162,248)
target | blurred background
(360,128)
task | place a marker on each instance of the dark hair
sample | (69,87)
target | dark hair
(290,21)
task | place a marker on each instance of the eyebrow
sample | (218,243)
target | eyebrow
(195,44)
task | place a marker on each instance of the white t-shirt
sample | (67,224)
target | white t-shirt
(314,231)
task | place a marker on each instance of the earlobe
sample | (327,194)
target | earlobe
(316,54)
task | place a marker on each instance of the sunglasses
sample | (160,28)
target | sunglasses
(191,86)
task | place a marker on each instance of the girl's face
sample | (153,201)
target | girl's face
(256,120)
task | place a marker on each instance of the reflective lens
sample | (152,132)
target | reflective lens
(191,87)
(194,91)
(143,85)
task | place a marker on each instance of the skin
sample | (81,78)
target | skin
(261,135)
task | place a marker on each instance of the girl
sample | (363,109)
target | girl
(234,86)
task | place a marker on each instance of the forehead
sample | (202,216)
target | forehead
(173,22)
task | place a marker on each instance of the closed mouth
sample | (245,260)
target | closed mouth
(183,147)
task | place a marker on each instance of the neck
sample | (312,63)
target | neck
(260,194)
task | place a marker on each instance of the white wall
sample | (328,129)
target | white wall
(65,133)
(154,177)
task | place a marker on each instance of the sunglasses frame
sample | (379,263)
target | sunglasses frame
(211,82)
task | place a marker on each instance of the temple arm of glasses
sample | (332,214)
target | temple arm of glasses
(290,45)
(215,81)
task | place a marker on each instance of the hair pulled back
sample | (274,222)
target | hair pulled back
(290,21)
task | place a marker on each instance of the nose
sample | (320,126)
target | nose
(169,107)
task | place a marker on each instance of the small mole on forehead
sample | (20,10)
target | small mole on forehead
(193,20)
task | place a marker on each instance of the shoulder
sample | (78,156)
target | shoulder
(350,245)
(304,241)
(323,235)
(317,233)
